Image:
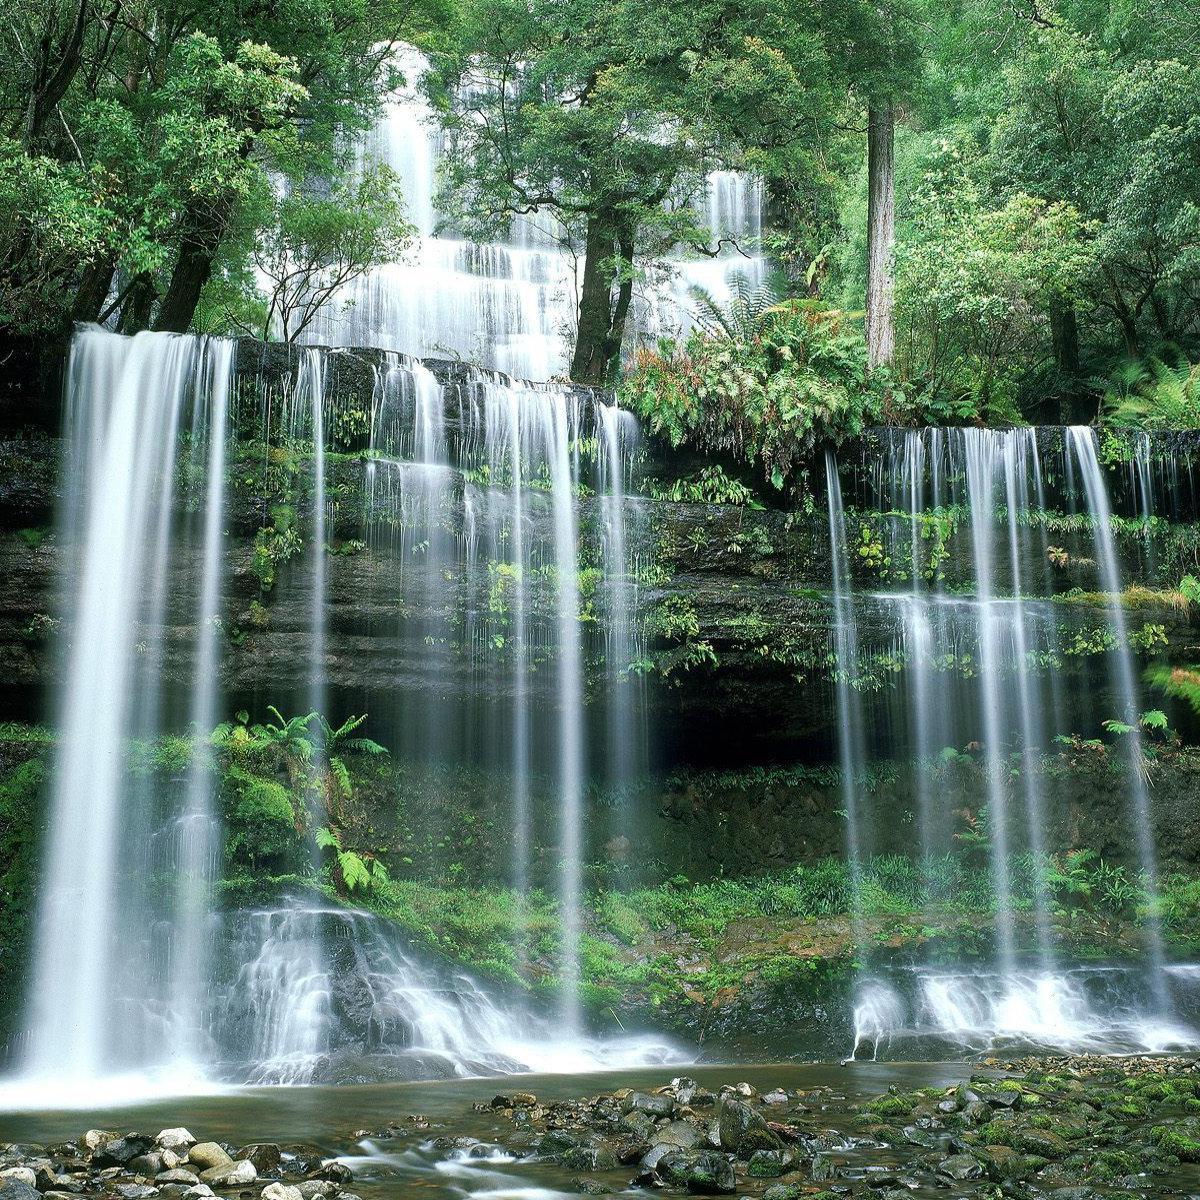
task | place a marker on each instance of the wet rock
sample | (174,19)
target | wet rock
(593,1187)
(200,1191)
(119,1152)
(960,1168)
(95,1138)
(177,1175)
(266,1156)
(776,1096)
(25,1175)
(656,1106)
(207,1155)
(311,1188)
(589,1158)
(231,1174)
(767,1164)
(631,1150)
(743,1130)
(150,1163)
(281,1191)
(640,1124)
(704,1173)
(1002,1098)
(177,1139)
(823,1168)
(1079,1192)
(334,1172)
(677,1133)
(784,1191)
(135,1191)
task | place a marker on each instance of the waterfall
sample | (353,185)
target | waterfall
(981,669)
(511,305)
(116,980)
(1083,447)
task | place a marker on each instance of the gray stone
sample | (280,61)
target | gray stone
(264,1155)
(234,1174)
(705,1172)
(136,1191)
(25,1175)
(589,1158)
(150,1163)
(177,1139)
(766,1164)
(198,1191)
(14,1189)
(315,1187)
(177,1175)
(656,1106)
(206,1155)
(783,1191)
(960,1167)
(743,1130)
(677,1133)
(776,1096)
(123,1150)
(281,1191)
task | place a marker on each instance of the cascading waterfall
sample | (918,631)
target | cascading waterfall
(511,305)
(109,994)
(981,491)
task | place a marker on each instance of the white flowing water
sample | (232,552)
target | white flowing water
(108,995)
(511,305)
(981,670)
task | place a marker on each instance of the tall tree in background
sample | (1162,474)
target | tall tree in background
(881,233)
(607,117)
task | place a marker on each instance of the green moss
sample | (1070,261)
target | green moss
(1177,1140)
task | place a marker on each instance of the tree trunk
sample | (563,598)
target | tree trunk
(881,234)
(203,230)
(93,289)
(616,334)
(1064,334)
(56,71)
(139,298)
(589,364)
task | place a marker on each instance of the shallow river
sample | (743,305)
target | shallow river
(405,1164)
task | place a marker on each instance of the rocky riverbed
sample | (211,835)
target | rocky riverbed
(1077,1128)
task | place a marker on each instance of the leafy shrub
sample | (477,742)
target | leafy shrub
(766,385)
(1151,394)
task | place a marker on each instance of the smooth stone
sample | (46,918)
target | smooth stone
(705,1173)
(960,1167)
(136,1191)
(95,1138)
(230,1174)
(265,1156)
(199,1191)
(776,1096)
(121,1151)
(25,1175)
(207,1155)
(175,1139)
(177,1175)
(147,1164)
(743,1130)
(281,1191)
(656,1106)
(315,1187)
(677,1133)
(334,1172)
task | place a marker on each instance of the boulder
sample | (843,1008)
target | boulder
(25,1175)
(766,1164)
(743,1130)
(265,1156)
(960,1168)
(207,1155)
(14,1189)
(281,1191)
(150,1163)
(315,1187)
(703,1172)
(589,1158)
(677,1133)
(198,1191)
(177,1139)
(120,1152)
(232,1174)
(656,1106)
(177,1175)
(95,1138)
(135,1191)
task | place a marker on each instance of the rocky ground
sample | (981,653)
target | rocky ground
(135,1166)
(1072,1129)
(1078,1128)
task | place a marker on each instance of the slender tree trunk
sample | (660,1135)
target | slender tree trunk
(881,234)
(203,230)
(57,69)
(590,361)
(620,316)
(93,291)
(139,298)
(1064,334)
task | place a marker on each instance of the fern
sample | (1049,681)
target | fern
(355,872)
(1152,394)
(327,839)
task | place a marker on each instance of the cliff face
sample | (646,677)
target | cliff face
(734,642)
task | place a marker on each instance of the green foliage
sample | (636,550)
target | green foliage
(1150,394)
(710,485)
(1181,683)
(798,382)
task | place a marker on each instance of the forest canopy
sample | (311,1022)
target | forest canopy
(987,210)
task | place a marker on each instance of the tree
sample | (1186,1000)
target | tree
(314,246)
(609,117)
(881,233)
